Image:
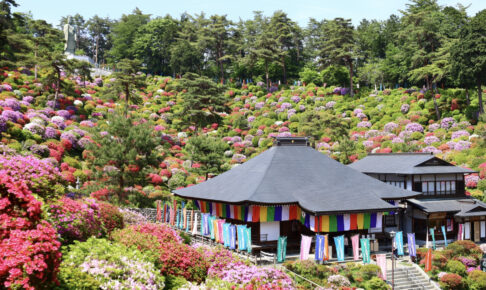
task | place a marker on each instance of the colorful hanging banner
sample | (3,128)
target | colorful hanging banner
(211,227)
(305,245)
(399,243)
(450,225)
(281,249)
(159,212)
(232,237)
(248,239)
(339,243)
(381,262)
(460,233)
(412,250)
(355,243)
(432,234)
(226,234)
(428,261)
(241,237)
(319,255)
(365,250)
(194,226)
(445,235)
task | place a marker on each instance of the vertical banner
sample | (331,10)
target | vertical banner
(194,226)
(355,243)
(460,232)
(483,229)
(476,236)
(220,231)
(159,211)
(248,239)
(399,243)
(412,250)
(365,250)
(319,247)
(226,234)
(305,247)
(432,235)
(281,249)
(177,218)
(467,230)
(232,237)
(211,227)
(381,262)
(326,248)
(206,224)
(241,238)
(450,225)
(445,235)
(339,243)
(428,261)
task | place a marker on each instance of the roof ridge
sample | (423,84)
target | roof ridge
(401,153)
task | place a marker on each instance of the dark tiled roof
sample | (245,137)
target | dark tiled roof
(404,163)
(462,207)
(298,174)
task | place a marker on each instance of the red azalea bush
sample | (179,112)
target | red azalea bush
(29,250)
(174,257)
(111,216)
(76,219)
(451,281)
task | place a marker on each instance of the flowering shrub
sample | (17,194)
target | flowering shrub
(40,176)
(131,217)
(111,216)
(29,250)
(76,219)
(338,280)
(476,280)
(112,265)
(451,281)
(174,258)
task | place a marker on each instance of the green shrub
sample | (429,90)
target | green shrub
(476,280)
(376,284)
(451,281)
(456,267)
(73,278)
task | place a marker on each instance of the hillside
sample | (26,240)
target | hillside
(344,127)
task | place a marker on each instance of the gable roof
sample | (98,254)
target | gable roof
(292,174)
(406,163)
(462,207)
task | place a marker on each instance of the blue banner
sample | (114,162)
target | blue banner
(412,250)
(241,238)
(339,243)
(232,237)
(226,234)
(320,247)
(248,239)
(445,236)
(399,243)
(365,250)
(432,234)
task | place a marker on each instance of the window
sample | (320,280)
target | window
(433,186)
(390,220)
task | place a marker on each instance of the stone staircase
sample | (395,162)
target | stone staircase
(411,278)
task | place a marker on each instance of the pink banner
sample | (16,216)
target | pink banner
(305,245)
(381,262)
(220,231)
(355,241)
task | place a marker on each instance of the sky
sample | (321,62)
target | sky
(298,10)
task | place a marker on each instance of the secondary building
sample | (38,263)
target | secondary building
(443,202)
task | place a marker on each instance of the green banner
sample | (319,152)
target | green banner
(281,249)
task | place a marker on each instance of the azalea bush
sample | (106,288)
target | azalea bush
(173,257)
(99,263)
(76,220)
(29,249)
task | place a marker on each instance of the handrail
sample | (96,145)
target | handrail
(312,282)
(412,280)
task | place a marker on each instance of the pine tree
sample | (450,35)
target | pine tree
(122,155)
(202,101)
(208,152)
(128,78)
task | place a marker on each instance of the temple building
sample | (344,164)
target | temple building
(443,202)
(292,189)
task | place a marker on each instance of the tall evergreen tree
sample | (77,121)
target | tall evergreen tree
(127,79)
(124,33)
(98,31)
(208,152)
(340,46)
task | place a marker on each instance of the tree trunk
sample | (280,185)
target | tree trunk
(35,66)
(58,82)
(127,94)
(284,70)
(96,49)
(351,92)
(437,112)
(480,96)
(468,102)
(266,72)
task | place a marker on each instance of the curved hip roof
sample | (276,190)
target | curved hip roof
(298,175)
